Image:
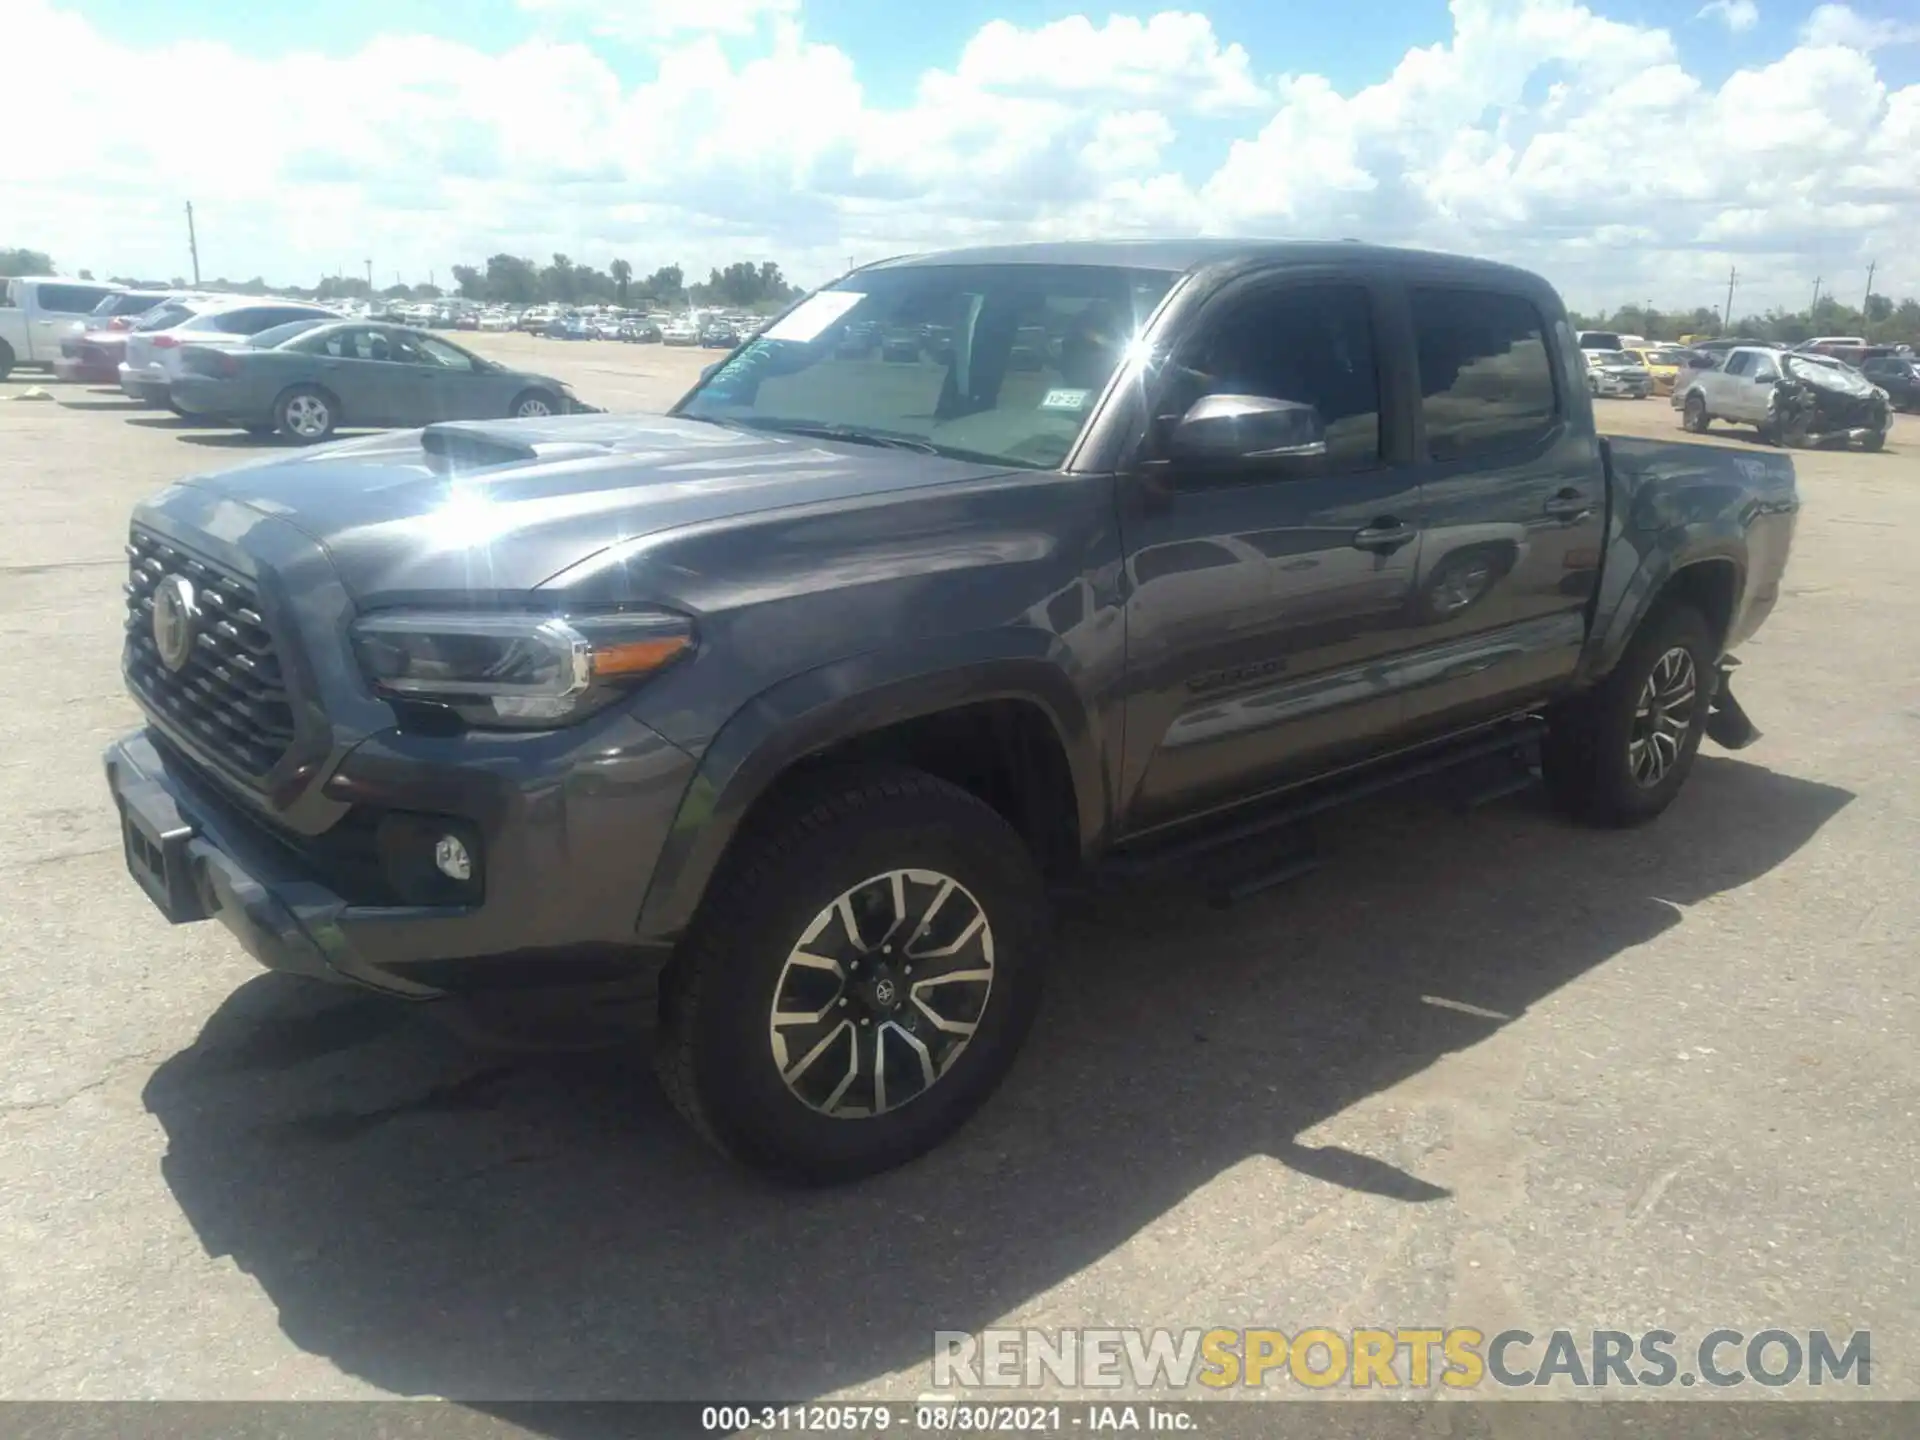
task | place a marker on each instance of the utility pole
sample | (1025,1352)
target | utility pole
(369,275)
(1872,265)
(1815,305)
(193,246)
(1726,320)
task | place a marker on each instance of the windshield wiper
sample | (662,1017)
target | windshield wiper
(849,434)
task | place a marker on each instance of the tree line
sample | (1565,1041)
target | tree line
(1882,322)
(505,280)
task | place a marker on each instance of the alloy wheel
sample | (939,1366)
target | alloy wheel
(531,407)
(1662,717)
(307,416)
(882,994)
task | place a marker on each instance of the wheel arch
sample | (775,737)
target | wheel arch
(1711,579)
(1023,709)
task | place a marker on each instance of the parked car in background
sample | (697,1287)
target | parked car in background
(1791,397)
(153,346)
(680,332)
(1899,376)
(120,310)
(606,327)
(1616,373)
(639,332)
(718,335)
(536,319)
(570,327)
(900,344)
(306,380)
(1598,340)
(1662,364)
(37,312)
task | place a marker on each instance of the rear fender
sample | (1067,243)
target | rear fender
(813,712)
(1679,505)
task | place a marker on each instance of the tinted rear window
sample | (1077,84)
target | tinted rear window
(1486,382)
(72,299)
(164,317)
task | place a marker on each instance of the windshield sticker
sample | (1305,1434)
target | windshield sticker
(1064,400)
(814,314)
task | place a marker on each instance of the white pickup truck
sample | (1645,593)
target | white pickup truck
(37,313)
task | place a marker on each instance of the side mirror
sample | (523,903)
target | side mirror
(1247,428)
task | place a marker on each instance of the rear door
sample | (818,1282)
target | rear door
(1510,473)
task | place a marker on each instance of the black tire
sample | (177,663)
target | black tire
(715,1052)
(6,360)
(518,409)
(1588,758)
(1694,417)
(1876,439)
(306,414)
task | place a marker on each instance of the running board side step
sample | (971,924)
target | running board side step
(1514,740)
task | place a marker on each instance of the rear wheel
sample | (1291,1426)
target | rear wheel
(1617,755)
(1694,417)
(306,414)
(859,980)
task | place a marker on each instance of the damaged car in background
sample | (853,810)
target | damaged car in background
(1791,398)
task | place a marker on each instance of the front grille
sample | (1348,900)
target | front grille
(230,697)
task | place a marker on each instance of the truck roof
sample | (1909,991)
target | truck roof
(1178,256)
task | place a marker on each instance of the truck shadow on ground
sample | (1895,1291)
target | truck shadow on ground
(436,1221)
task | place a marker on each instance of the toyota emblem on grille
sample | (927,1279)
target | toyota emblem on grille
(176,616)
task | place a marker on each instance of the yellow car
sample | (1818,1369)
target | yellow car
(1663,364)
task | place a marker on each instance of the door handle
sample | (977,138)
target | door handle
(1570,506)
(1384,536)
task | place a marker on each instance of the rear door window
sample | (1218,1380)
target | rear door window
(1486,381)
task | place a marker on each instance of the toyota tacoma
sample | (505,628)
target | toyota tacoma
(794,706)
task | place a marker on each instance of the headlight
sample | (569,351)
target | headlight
(513,670)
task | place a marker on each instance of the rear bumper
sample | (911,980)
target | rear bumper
(77,370)
(138,382)
(214,399)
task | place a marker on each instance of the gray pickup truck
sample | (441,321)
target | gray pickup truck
(795,705)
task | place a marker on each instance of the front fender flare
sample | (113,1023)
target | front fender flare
(811,712)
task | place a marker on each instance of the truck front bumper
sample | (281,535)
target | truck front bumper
(561,853)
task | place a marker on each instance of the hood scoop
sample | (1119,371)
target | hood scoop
(449,448)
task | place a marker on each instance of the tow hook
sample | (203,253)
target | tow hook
(1727,723)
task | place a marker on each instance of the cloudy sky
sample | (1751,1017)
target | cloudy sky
(1630,149)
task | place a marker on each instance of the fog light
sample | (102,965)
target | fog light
(450,858)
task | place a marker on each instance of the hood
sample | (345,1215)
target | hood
(1831,378)
(496,508)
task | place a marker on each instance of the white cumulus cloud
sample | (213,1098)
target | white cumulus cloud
(1736,15)
(1537,131)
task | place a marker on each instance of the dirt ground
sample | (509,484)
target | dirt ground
(1483,1070)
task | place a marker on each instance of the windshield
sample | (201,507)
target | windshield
(995,362)
(1612,357)
(278,335)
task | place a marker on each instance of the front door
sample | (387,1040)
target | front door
(1263,596)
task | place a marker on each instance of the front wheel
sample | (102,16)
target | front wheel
(1618,755)
(533,404)
(1694,417)
(859,980)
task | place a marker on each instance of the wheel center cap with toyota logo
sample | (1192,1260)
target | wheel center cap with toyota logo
(883,991)
(176,621)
